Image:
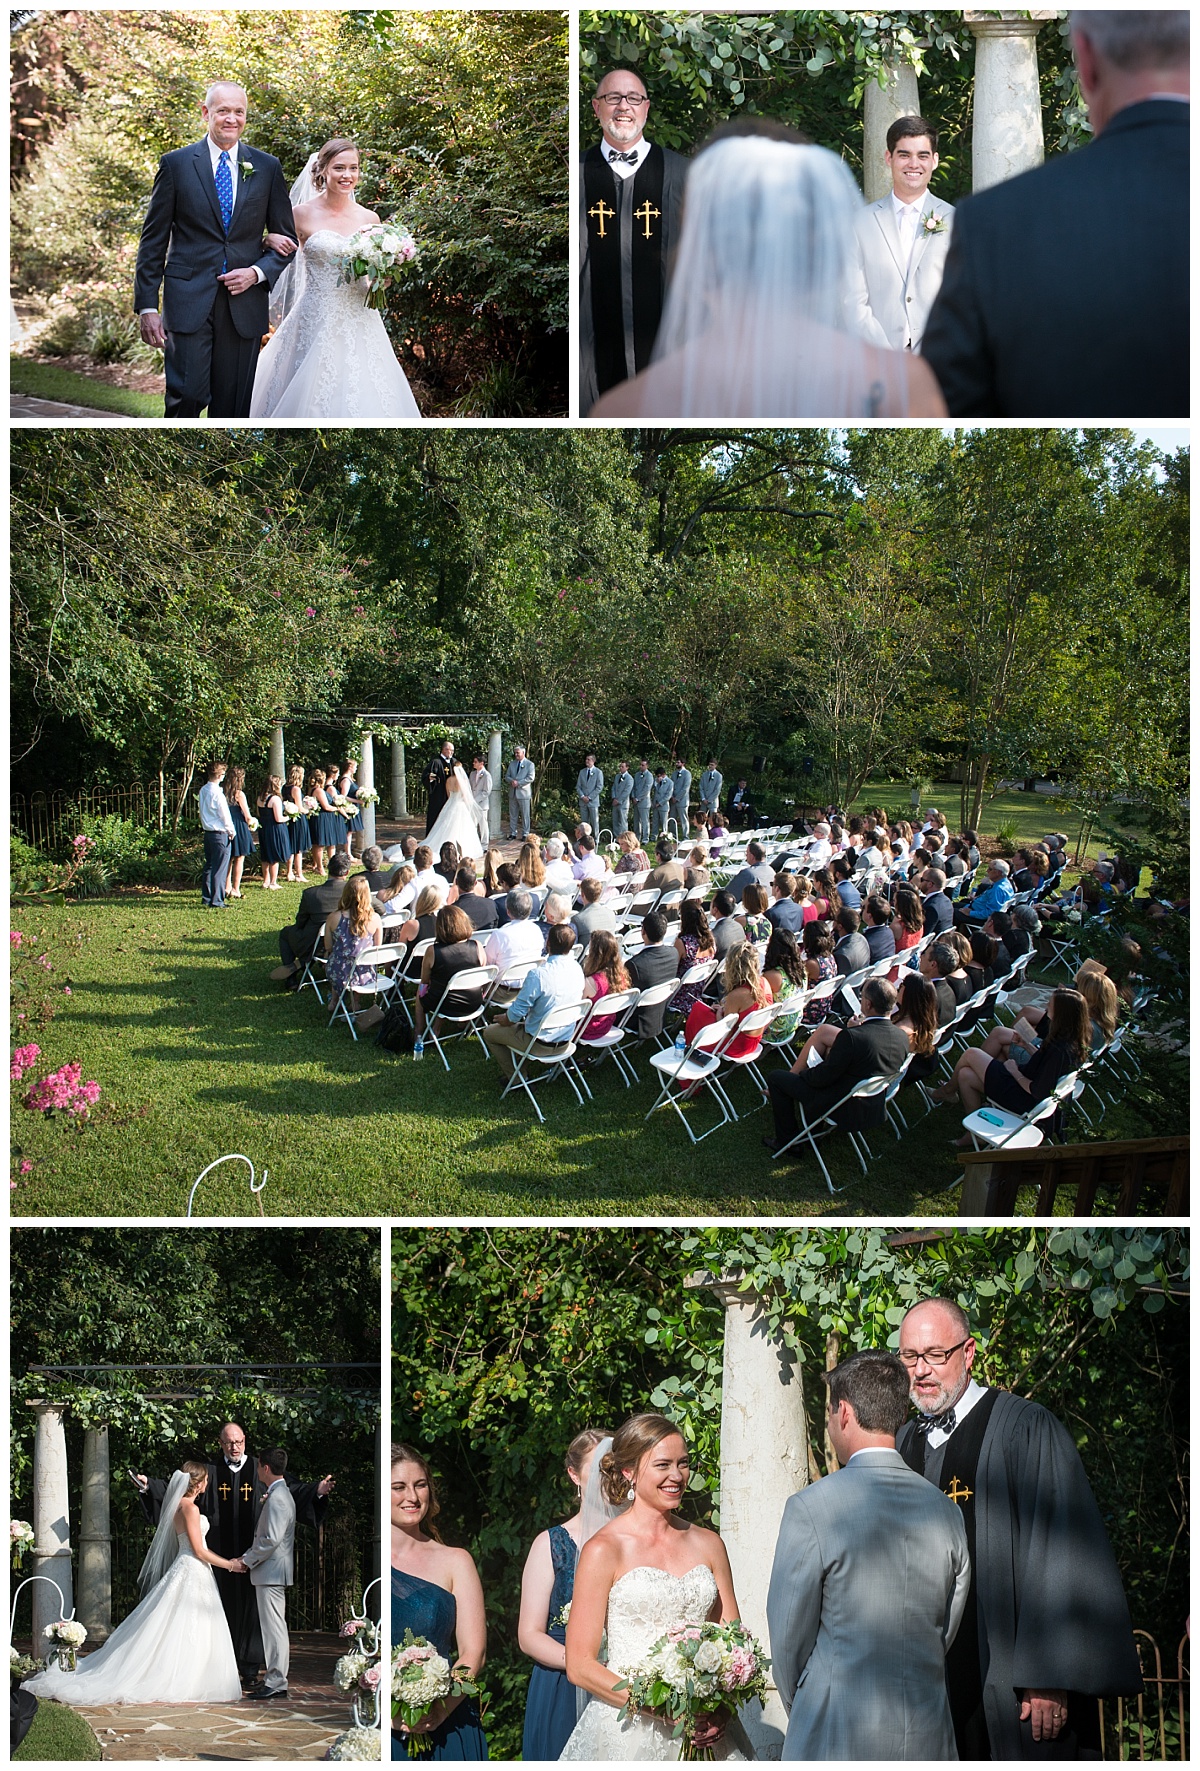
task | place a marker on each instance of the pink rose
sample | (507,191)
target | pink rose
(310,611)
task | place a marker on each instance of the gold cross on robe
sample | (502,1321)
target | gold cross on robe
(646,214)
(603,213)
(224,1490)
(957,1494)
(247,1491)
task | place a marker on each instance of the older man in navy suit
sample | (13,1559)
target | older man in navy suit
(202,242)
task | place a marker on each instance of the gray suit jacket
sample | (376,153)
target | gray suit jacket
(867,1591)
(269,1557)
(890,301)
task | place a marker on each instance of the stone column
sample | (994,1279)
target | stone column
(275,760)
(95,1538)
(366,778)
(1006,126)
(495,762)
(764,1460)
(898,97)
(51,1523)
(399,779)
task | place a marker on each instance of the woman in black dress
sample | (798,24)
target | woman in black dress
(978,1076)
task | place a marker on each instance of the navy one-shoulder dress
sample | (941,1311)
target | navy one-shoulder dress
(550,1710)
(432,1612)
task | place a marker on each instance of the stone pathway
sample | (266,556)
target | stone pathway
(302,1726)
(26,406)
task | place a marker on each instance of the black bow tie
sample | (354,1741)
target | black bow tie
(941,1423)
(632,157)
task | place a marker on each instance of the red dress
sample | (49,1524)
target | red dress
(743,1045)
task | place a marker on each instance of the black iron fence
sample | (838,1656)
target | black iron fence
(50,820)
(1154,1725)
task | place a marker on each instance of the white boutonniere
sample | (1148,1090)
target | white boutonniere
(248,168)
(933,224)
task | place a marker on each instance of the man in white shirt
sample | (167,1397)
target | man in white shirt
(519,938)
(426,876)
(588,865)
(217,824)
(902,243)
(560,876)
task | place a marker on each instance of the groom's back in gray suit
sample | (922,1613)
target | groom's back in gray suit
(867,1591)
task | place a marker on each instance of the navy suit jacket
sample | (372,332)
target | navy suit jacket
(1066,289)
(939,913)
(183,243)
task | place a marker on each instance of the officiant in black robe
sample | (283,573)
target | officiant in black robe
(436,777)
(632,192)
(1047,1627)
(231,1503)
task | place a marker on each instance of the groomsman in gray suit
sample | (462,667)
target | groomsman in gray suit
(681,793)
(711,783)
(902,243)
(269,1560)
(622,789)
(643,787)
(868,1588)
(589,785)
(519,774)
(660,799)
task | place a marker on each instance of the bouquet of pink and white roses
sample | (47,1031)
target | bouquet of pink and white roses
(421,1677)
(377,254)
(694,1671)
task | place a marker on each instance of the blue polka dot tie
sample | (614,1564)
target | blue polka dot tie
(225,193)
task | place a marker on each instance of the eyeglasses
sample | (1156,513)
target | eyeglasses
(622,98)
(935,1355)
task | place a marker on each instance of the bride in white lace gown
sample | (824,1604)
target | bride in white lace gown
(637,1576)
(175,1646)
(458,822)
(331,357)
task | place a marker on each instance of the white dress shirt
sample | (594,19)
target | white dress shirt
(962,1408)
(214,809)
(626,168)
(908,215)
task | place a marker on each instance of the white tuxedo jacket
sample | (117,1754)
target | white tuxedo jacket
(890,300)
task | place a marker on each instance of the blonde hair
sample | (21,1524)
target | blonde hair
(1100,994)
(743,972)
(356,902)
(631,1442)
(339,145)
(428,899)
(195,1474)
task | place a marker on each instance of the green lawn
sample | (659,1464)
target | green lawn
(58,1733)
(198,1054)
(45,381)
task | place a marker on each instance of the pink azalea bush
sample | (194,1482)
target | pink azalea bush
(63,1092)
(24,1058)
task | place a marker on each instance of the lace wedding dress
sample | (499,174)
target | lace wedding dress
(174,1647)
(642,1606)
(331,358)
(457,821)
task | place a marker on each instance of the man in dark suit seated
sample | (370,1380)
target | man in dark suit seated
(785,913)
(377,874)
(939,911)
(480,911)
(875,1047)
(727,931)
(851,950)
(652,964)
(317,904)
(937,963)
(1065,293)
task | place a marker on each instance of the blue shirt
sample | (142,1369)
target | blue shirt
(555,983)
(996,897)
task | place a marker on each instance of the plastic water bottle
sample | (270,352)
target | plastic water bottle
(418,1048)
(680,1046)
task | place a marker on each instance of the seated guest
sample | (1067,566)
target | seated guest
(938,962)
(875,1047)
(634,858)
(316,904)
(652,964)
(953,863)
(757,871)
(741,812)
(754,912)
(556,912)
(480,911)
(784,912)
(825,895)
(802,892)
(669,873)
(557,983)
(559,876)
(447,865)
(588,864)
(1023,875)
(604,975)
(518,937)
(877,927)
(455,949)
(980,967)
(420,925)
(507,879)
(427,874)
(874,854)
(372,860)
(851,949)
(349,931)
(787,979)
(845,887)
(1013,937)
(532,870)
(917,1018)
(820,850)
(1056,848)
(980,1077)
(938,911)
(718,832)
(590,913)
(743,989)
(971,838)
(492,863)
(819,966)
(402,851)
(996,894)
(908,925)
(696,871)
(394,898)
(727,931)
(693,944)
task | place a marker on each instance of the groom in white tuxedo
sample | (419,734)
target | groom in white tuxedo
(269,1562)
(902,243)
(868,1587)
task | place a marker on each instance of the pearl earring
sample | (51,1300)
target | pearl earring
(630,1492)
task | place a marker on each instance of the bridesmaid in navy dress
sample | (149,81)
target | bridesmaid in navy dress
(333,776)
(436,1593)
(316,781)
(298,842)
(330,826)
(349,786)
(546,1587)
(243,837)
(274,841)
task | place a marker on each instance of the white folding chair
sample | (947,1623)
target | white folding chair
(622,1004)
(508,982)
(532,1067)
(411,974)
(316,960)
(670,900)
(891,1099)
(754,1022)
(825,1123)
(993,1128)
(466,1022)
(382,984)
(685,1074)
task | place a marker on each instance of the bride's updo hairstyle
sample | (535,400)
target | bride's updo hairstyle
(630,1444)
(331,150)
(406,1454)
(195,1474)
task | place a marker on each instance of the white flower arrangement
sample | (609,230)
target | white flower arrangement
(367,797)
(561,1617)
(357,1743)
(22,1666)
(253,823)
(21,1536)
(67,1632)
(349,1670)
(376,254)
(697,1670)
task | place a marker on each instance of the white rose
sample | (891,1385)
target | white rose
(708,1657)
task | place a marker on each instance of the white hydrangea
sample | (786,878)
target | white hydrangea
(349,1670)
(424,1680)
(357,1743)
